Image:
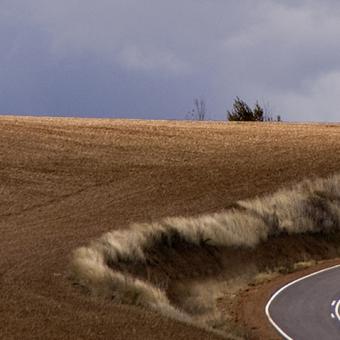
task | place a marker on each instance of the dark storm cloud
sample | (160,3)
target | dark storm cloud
(148,59)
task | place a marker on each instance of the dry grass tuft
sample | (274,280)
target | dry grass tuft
(312,206)
(269,275)
(304,264)
(264,277)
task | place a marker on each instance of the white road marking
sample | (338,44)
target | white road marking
(333,316)
(337,310)
(334,302)
(275,325)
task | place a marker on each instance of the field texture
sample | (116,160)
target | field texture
(64,182)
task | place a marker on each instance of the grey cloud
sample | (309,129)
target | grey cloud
(148,59)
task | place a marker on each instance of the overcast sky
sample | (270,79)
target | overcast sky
(150,58)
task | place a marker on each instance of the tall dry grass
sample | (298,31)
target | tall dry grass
(312,206)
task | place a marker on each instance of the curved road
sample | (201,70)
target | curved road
(308,308)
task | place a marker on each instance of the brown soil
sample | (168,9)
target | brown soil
(64,182)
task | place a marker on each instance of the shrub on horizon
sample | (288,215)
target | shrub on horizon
(242,112)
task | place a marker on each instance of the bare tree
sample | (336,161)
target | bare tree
(199,111)
(268,113)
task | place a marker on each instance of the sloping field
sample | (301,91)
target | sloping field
(65,182)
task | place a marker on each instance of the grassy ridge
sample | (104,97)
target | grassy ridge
(312,206)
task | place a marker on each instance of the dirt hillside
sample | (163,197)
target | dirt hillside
(64,182)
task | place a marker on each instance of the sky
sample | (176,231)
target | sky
(149,59)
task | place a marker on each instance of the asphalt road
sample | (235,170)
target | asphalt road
(308,308)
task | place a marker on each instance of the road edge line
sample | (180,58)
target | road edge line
(274,324)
